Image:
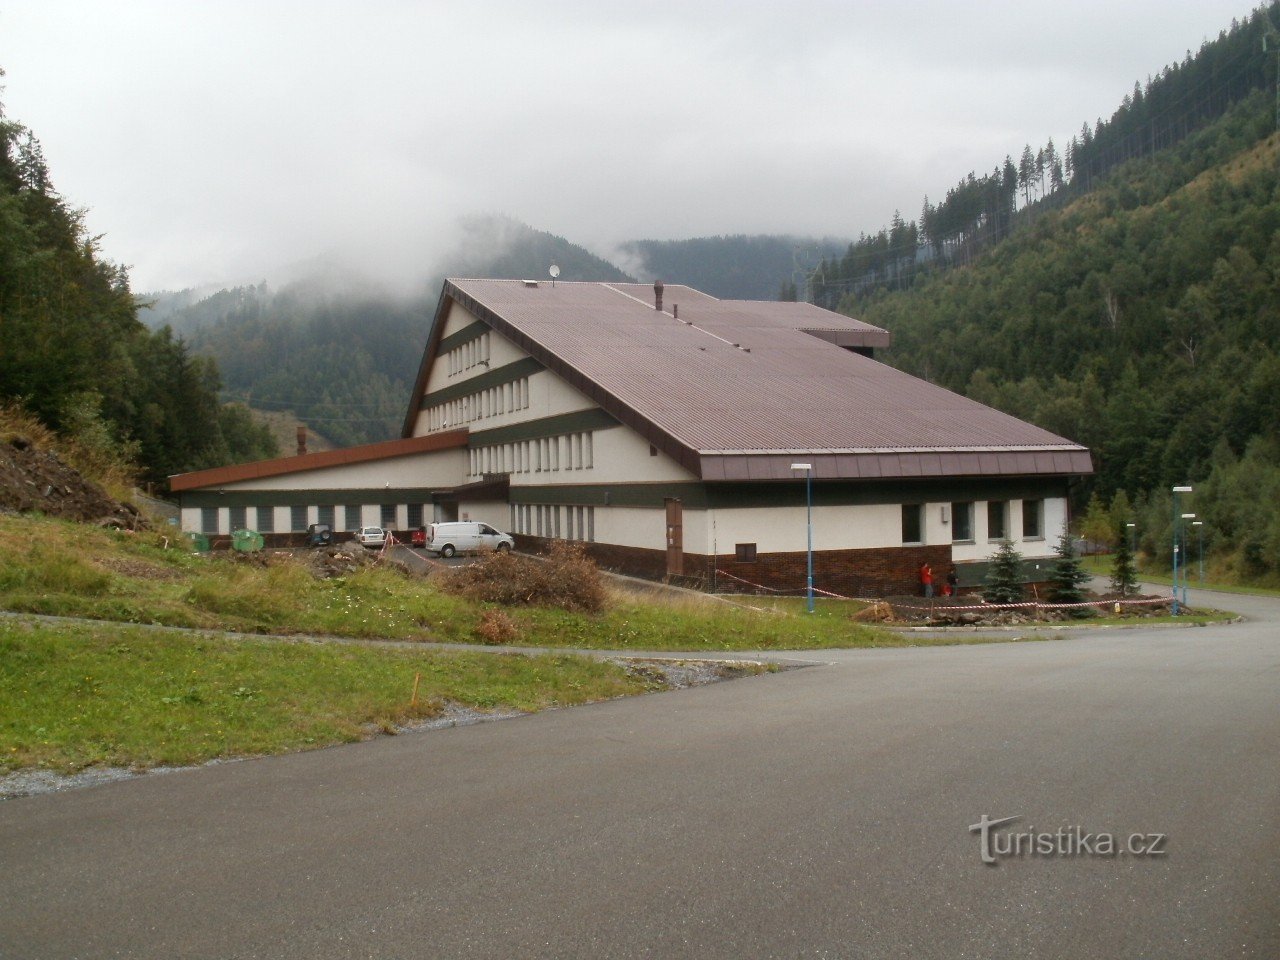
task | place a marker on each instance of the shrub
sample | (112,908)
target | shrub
(497,628)
(566,578)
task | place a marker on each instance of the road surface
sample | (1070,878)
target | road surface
(823,812)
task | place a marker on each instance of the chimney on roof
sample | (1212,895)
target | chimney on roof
(302,440)
(657,295)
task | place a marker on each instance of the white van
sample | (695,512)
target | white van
(446,539)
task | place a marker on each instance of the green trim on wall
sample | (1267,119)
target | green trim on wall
(468,333)
(524,367)
(297,498)
(580,420)
(692,495)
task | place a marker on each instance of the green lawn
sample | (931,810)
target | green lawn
(74,696)
(1100,565)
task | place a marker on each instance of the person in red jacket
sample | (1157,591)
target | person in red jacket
(926,578)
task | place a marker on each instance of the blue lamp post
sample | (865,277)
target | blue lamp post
(1186,562)
(1176,525)
(808,516)
(1133,543)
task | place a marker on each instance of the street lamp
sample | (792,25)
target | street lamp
(1177,490)
(1133,543)
(1200,546)
(808,516)
(1185,562)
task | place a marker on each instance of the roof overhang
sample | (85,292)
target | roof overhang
(912,464)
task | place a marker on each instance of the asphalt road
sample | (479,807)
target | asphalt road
(821,812)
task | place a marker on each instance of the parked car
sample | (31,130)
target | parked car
(418,538)
(448,539)
(371,537)
(319,535)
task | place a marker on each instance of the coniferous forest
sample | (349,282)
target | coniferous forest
(72,350)
(1130,302)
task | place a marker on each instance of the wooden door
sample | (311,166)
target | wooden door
(675,538)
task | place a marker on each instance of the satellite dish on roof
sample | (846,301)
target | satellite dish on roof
(555,272)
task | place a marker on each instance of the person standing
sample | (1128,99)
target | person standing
(926,578)
(953,579)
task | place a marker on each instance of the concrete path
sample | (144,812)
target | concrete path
(814,813)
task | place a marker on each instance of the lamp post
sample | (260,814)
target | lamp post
(808,518)
(1199,524)
(1133,543)
(1177,490)
(1186,563)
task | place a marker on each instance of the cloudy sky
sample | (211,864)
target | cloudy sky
(222,141)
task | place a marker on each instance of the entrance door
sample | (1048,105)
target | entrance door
(675,539)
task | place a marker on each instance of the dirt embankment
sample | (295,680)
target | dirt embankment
(35,480)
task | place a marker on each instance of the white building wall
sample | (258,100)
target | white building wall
(441,468)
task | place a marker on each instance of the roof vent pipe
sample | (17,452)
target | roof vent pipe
(657,295)
(302,440)
(675,310)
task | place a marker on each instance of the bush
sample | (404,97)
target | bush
(497,628)
(566,578)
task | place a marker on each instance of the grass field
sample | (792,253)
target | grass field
(72,696)
(1100,565)
(57,568)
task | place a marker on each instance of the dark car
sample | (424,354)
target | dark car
(319,535)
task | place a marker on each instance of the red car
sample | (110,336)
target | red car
(419,537)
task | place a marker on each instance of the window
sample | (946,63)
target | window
(238,519)
(1032,519)
(297,518)
(997,519)
(208,519)
(582,528)
(912,528)
(266,519)
(351,519)
(415,516)
(388,515)
(591,524)
(588,451)
(568,523)
(744,552)
(962,521)
(324,514)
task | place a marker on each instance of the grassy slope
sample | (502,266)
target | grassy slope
(73,696)
(51,567)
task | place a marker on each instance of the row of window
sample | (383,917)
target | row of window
(470,354)
(567,522)
(263,519)
(569,451)
(492,402)
(962,521)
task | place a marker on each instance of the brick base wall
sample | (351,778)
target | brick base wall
(891,571)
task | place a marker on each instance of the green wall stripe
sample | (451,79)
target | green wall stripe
(493,378)
(468,333)
(595,419)
(299,498)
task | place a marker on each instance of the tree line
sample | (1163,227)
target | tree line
(72,350)
(981,210)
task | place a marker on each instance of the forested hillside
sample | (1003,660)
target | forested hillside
(736,267)
(340,354)
(1141,319)
(73,352)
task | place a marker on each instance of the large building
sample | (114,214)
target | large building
(664,429)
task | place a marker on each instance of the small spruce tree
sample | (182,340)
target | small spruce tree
(1004,575)
(1067,577)
(1124,572)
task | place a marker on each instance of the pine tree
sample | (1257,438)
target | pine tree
(1004,575)
(1066,577)
(1124,572)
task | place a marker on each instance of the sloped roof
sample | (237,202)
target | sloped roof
(737,390)
(279,466)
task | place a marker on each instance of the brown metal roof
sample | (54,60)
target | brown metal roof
(218,476)
(733,388)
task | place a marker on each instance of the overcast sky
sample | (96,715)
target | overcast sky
(218,141)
